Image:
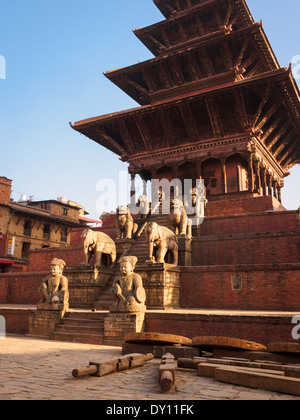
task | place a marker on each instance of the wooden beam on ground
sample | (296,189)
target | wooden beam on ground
(265,381)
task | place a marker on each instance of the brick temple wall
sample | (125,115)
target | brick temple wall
(21,288)
(261,329)
(258,287)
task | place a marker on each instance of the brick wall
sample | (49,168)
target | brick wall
(40,259)
(261,329)
(5,190)
(21,289)
(269,287)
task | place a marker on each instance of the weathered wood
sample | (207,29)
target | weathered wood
(130,361)
(256,355)
(84,371)
(166,372)
(157,338)
(212,342)
(187,363)
(208,370)
(293,348)
(266,381)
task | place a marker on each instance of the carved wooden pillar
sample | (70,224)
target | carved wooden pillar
(264,180)
(275,186)
(269,183)
(250,173)
(257,176)
(223,176)
(132,188)
(279,193)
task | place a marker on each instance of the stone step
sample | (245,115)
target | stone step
(83,322)
(89,315)
(80,329)
(78,338)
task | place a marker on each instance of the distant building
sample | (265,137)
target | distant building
(27,225)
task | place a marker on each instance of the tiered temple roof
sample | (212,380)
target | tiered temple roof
(213,89)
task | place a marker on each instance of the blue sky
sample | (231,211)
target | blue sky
(56,52)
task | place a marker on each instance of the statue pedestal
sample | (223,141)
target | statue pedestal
(117,325)
(162,285)
(44,321)
(123,247)
(184,251)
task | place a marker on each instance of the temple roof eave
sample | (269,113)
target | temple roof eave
(96,128)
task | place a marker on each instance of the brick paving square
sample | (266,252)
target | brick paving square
(37,369)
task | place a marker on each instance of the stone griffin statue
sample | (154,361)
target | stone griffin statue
(125,226)
(55,289)
(164,240)
(130,295)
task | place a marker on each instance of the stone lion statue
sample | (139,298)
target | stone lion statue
(144,206)
(98,243)
(125,226)
(178,218)
(164,240)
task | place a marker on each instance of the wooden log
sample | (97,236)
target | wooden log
(85,371)
(108,366)
(208,370)
(257,355)
(187,363)
(157,338)
(268,382)
(166,372)
(292,348)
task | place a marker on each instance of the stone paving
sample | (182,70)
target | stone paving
(37,369)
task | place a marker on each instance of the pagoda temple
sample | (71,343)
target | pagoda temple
(214,105)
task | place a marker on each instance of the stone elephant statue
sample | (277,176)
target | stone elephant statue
(164,240)
(125,226)
(98,243)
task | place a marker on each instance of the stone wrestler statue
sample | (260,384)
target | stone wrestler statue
(54,289)
(128,288)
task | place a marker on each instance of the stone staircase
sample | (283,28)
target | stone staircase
(81,327)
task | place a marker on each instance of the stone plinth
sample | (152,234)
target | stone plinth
(117,325)
(45,319)
(184,251)
(86,284)
(124,246)
(162,285)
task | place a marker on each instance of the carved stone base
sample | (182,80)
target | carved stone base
(162,285)
(123,247)
(117,325)
(184,251)
(44,321)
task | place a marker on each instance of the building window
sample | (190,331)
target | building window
(65,212)
(64,235)
(25,249)
(236,282)
(46,232)
(27,228)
